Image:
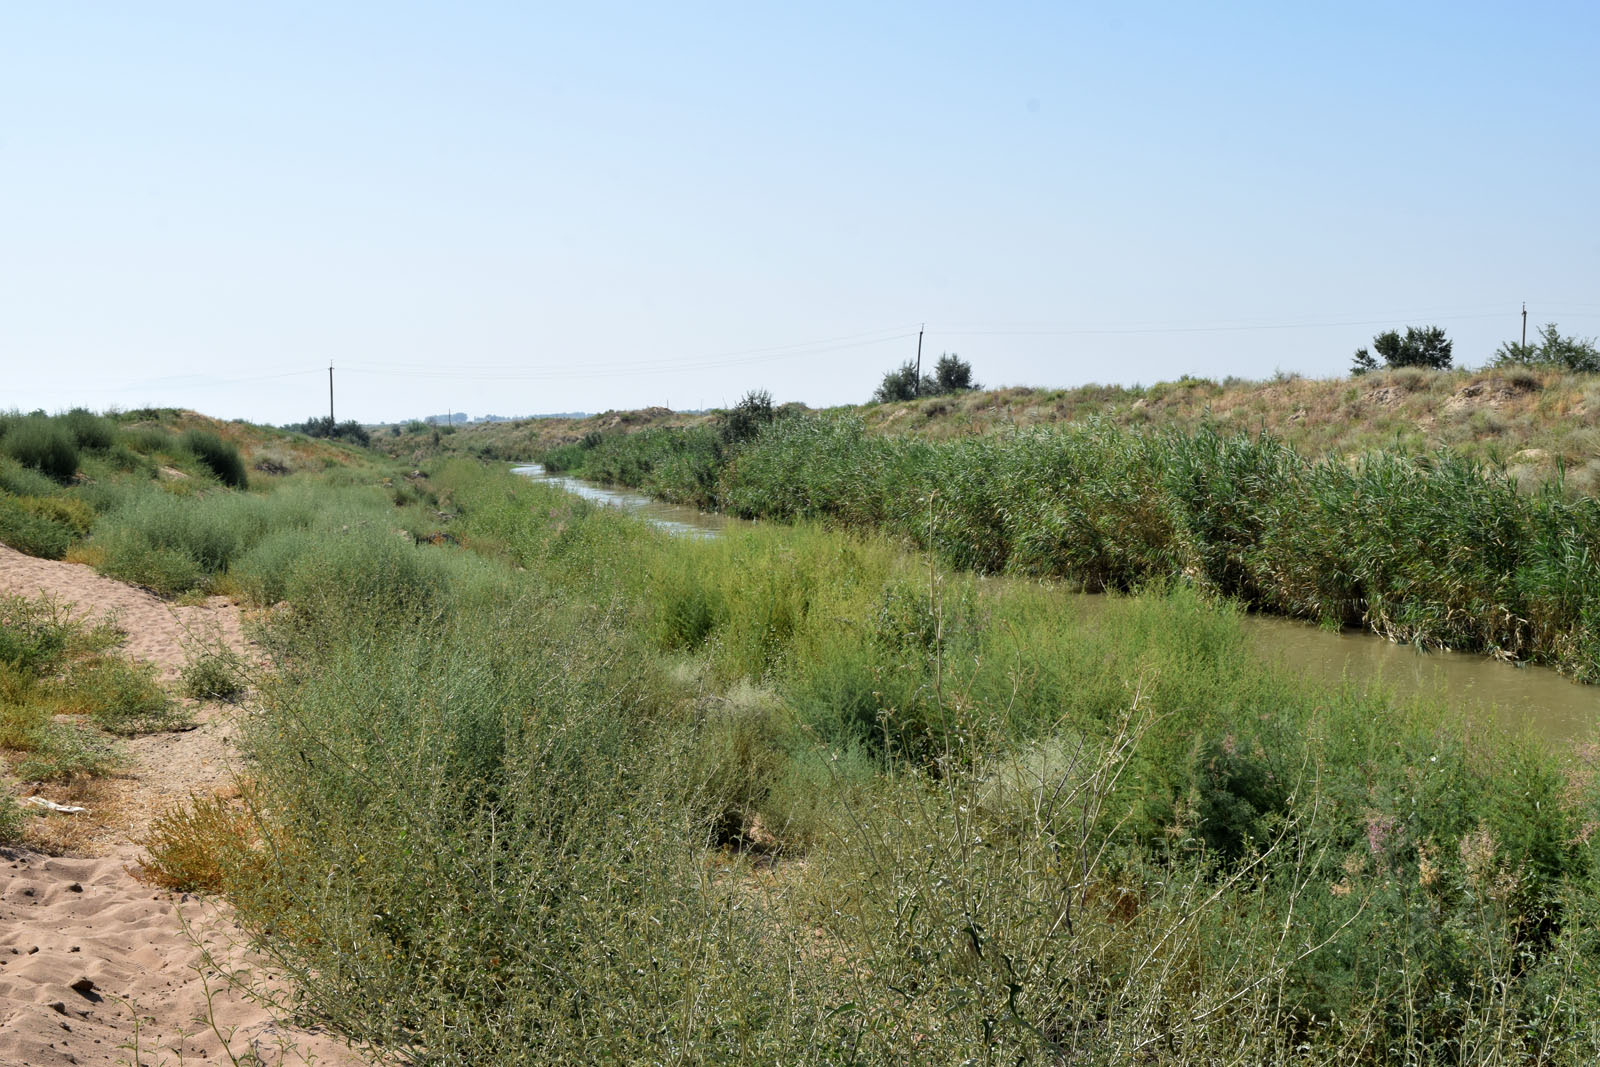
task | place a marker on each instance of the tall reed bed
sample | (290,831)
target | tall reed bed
(1426,549)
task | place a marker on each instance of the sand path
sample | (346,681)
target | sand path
(97,966)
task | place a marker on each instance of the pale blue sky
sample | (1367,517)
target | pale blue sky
(523,207)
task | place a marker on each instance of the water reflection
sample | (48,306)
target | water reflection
(674,518)
(1550,704)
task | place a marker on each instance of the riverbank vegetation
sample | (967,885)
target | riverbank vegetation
(1432,550)
(531,781)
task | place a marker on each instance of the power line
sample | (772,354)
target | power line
(892,333)
(612,370)
(501,372)
(1087,331)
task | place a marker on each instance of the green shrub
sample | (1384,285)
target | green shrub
(70,511)
(369,577)
(193,846)
(262,573)
(174,544)
(13,821)
(93,432)
(34,634)
(222,458)
(31,533)
(214,674)
(166,570)
(43,444)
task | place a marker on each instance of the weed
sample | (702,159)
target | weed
(214,674)
(192,846)
(13,821)
(121,697)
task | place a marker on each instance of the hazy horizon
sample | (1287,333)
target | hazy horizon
(506,209)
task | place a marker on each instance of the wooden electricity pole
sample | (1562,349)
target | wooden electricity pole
(1524,324)
(330,396)
(916,384)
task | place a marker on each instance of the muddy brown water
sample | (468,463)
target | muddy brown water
(1535,698)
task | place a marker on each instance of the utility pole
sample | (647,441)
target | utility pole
(330,396)
(916,385)
(1524,324)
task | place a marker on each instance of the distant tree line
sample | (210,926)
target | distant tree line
(1427,346)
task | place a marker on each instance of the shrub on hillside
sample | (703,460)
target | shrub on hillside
(902,383)
(953,374)
(94,432)
(174,545)
(221,457)
(25,481)
(147,439)
(44,444)
(325,427)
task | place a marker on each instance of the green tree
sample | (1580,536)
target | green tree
(953,374)
(746,420)
(1425,347)
(1551,350)
(902,384)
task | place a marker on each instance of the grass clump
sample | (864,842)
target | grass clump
(121,697)
(192,846)
(52,668)
(214,674)
(220,457)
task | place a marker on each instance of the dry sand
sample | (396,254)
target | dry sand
(96,965)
